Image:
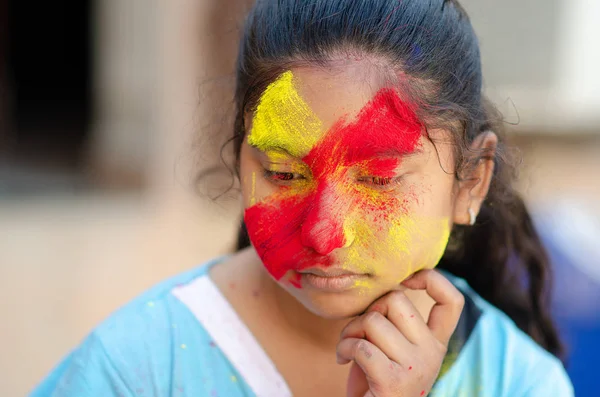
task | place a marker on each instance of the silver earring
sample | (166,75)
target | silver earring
(472,217)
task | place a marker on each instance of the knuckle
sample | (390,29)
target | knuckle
(440,348)
(390,385)
(347,329)
(436,349)
(372,318)
(378,388)
(458,299)
(397,297)
(421,363)
(395,385)
(362,346)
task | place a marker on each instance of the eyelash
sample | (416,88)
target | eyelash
(380,182)
(284,178)
(376,180)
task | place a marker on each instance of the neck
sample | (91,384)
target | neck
(298,321)
(319,331)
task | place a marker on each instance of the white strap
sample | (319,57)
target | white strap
(235,340)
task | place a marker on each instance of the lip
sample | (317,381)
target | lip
(334,272)
(330,279)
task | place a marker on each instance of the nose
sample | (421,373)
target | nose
(323,227)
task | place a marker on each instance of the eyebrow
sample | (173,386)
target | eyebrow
(263,150)
(271,147)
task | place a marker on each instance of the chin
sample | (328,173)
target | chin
(334,306)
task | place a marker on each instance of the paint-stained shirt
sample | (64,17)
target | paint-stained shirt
(182,338)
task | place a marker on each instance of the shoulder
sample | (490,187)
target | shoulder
(145,328)
(497,358)
(153,315)
(151,346)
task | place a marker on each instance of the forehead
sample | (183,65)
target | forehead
(336,92)
(348,104)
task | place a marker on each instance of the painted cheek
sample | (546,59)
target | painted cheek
(274,227)
(372,224)
(271,228)
(435,234)
(421,240)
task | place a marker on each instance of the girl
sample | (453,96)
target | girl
(367,156)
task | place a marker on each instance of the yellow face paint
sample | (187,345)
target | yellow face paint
(401,238)
(419,232)
(284,120)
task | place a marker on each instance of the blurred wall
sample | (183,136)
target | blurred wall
(69,259)
(540,62)
(127,89)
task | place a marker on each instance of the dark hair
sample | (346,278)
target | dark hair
(434,45)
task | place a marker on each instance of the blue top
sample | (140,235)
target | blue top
(167,342)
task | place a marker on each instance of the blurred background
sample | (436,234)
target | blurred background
(109,107)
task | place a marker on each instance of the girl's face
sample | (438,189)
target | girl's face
(344,195)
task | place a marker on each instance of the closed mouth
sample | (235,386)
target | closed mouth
(330,273)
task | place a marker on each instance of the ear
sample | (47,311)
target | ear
(475,182)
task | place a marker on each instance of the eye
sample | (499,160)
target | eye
(380,180)
(376,180)
(282,177)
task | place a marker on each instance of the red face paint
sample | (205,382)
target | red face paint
(295,232)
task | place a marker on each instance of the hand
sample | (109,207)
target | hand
(394,352)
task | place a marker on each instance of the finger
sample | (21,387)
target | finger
(445,313)
(398,308)
(373,362)
(357,385)
(380,331)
